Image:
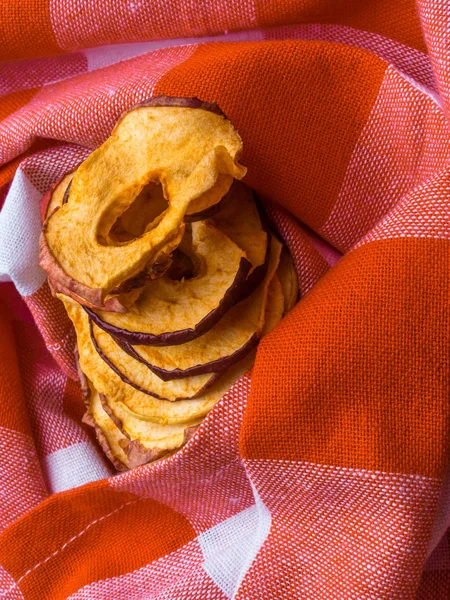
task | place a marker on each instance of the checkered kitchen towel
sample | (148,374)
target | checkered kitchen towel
(323,475)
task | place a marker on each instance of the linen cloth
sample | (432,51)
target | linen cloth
(322,474)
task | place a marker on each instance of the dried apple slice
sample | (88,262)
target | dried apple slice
(152,271)
(151,436)
(121,451)
(134,221)
(67,192)
(143,214)
(119,446)
(232,338)
(184,411)
(209,212)
(187,146)
(240,219)
(274,306)
(117,303)
(208,200)
(108,383)
(288,279)
(94,341)
(129,442)
(107,433)
(138,375)
(138,442)
(174,312)
(54,198)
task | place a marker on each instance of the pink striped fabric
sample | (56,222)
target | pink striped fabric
(322,473)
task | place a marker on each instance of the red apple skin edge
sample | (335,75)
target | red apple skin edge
(64,283)
(221,364)
(215,366)
(172,338)
(126,380)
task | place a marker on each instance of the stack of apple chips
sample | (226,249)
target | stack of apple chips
(167,271)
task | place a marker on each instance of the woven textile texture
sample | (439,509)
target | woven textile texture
(323,473)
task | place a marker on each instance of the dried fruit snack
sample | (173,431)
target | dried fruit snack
(173,312)
(232,338)
(187,147)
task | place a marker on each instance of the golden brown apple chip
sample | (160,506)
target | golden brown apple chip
(189,148)
(173,312)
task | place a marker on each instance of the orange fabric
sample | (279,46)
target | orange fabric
(13,412)
(8,105)
(14,101)
(394,20)
(7,172)
(26,29)
(113,523)
(320,114)
(323,473)
(390,410)
(35,36)
(397,20)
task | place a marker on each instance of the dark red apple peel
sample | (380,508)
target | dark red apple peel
(65,199)
(219,366)
(171,338)
(128,381)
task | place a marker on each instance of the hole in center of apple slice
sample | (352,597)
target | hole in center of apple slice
(182,267)
(143,214)
(185,265)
